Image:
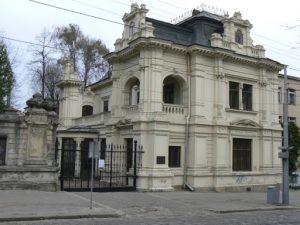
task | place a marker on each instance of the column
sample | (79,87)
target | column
(78,157)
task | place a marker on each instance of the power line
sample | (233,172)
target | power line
(278,42)
(107,20)
(150,6)
(76,12)
(31,43)
(169,4)
(122,3)
(95,7)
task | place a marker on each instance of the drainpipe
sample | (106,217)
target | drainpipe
(187,134)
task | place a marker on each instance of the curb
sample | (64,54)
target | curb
(254,209)
(57,217)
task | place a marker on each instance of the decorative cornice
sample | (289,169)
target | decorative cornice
(63,83)
(245,123)
(262,83)
(220,76)
(151,42)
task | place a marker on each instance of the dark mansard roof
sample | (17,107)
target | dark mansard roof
(196,29)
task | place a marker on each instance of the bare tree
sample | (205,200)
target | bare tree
(67,38)
(86,52)
(94,66)
(41,58)
(53,75)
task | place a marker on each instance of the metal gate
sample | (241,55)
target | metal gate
(119,172)
(2,150)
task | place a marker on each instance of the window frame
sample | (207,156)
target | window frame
(247,97)
(174,156)
(240,161)
(3,160)
(169,93)
(279,92)
(240,96)
(239,37)
(292,92)
(105,106)
(87,110)
(234,95)
(132,29)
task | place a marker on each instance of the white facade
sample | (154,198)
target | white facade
(206,115)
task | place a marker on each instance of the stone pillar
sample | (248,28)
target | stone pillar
(78,157)
(30,155)
(37,125)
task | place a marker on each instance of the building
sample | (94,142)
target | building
(197,95)
(294,104)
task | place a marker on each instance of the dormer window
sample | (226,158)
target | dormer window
(239,37)
(131,29)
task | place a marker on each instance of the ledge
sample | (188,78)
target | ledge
(240,111)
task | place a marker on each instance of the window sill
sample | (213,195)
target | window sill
(240,111)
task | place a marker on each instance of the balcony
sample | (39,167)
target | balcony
(174,109)
(92,119)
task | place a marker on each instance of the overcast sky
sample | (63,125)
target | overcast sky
(24,20)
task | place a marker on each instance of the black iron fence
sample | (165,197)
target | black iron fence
(116,170)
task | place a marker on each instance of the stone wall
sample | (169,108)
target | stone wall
(29,160)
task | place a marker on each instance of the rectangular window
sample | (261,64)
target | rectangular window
(105,106)
(174,156)
(2,150)
(234,95)
(247,97)
(241,149)
(292,97)
(279,95)
(292,119)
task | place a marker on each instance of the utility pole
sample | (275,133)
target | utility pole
(285,149)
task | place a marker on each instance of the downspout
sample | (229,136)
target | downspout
(187,125)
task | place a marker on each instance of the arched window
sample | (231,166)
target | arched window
(239,37)
(131,29)
(87,110)
(135,94)
(172,93)
(132,91)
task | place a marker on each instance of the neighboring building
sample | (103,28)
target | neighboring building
(197,95)
(294,103)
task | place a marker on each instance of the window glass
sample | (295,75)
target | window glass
(279,95)
(239,37)
(105,106)
(2,150)
(247,97)
(292,97)
(234,95)
(131,29)
(168,93)
(174,156)
(241,154)
(87,110)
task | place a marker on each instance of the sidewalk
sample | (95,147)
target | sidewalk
(24,205)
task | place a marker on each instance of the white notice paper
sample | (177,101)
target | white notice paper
(101,163)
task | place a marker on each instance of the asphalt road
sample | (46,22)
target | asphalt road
(278,217)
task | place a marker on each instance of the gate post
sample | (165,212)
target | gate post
(111,165)
(62,169)
(134,167)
